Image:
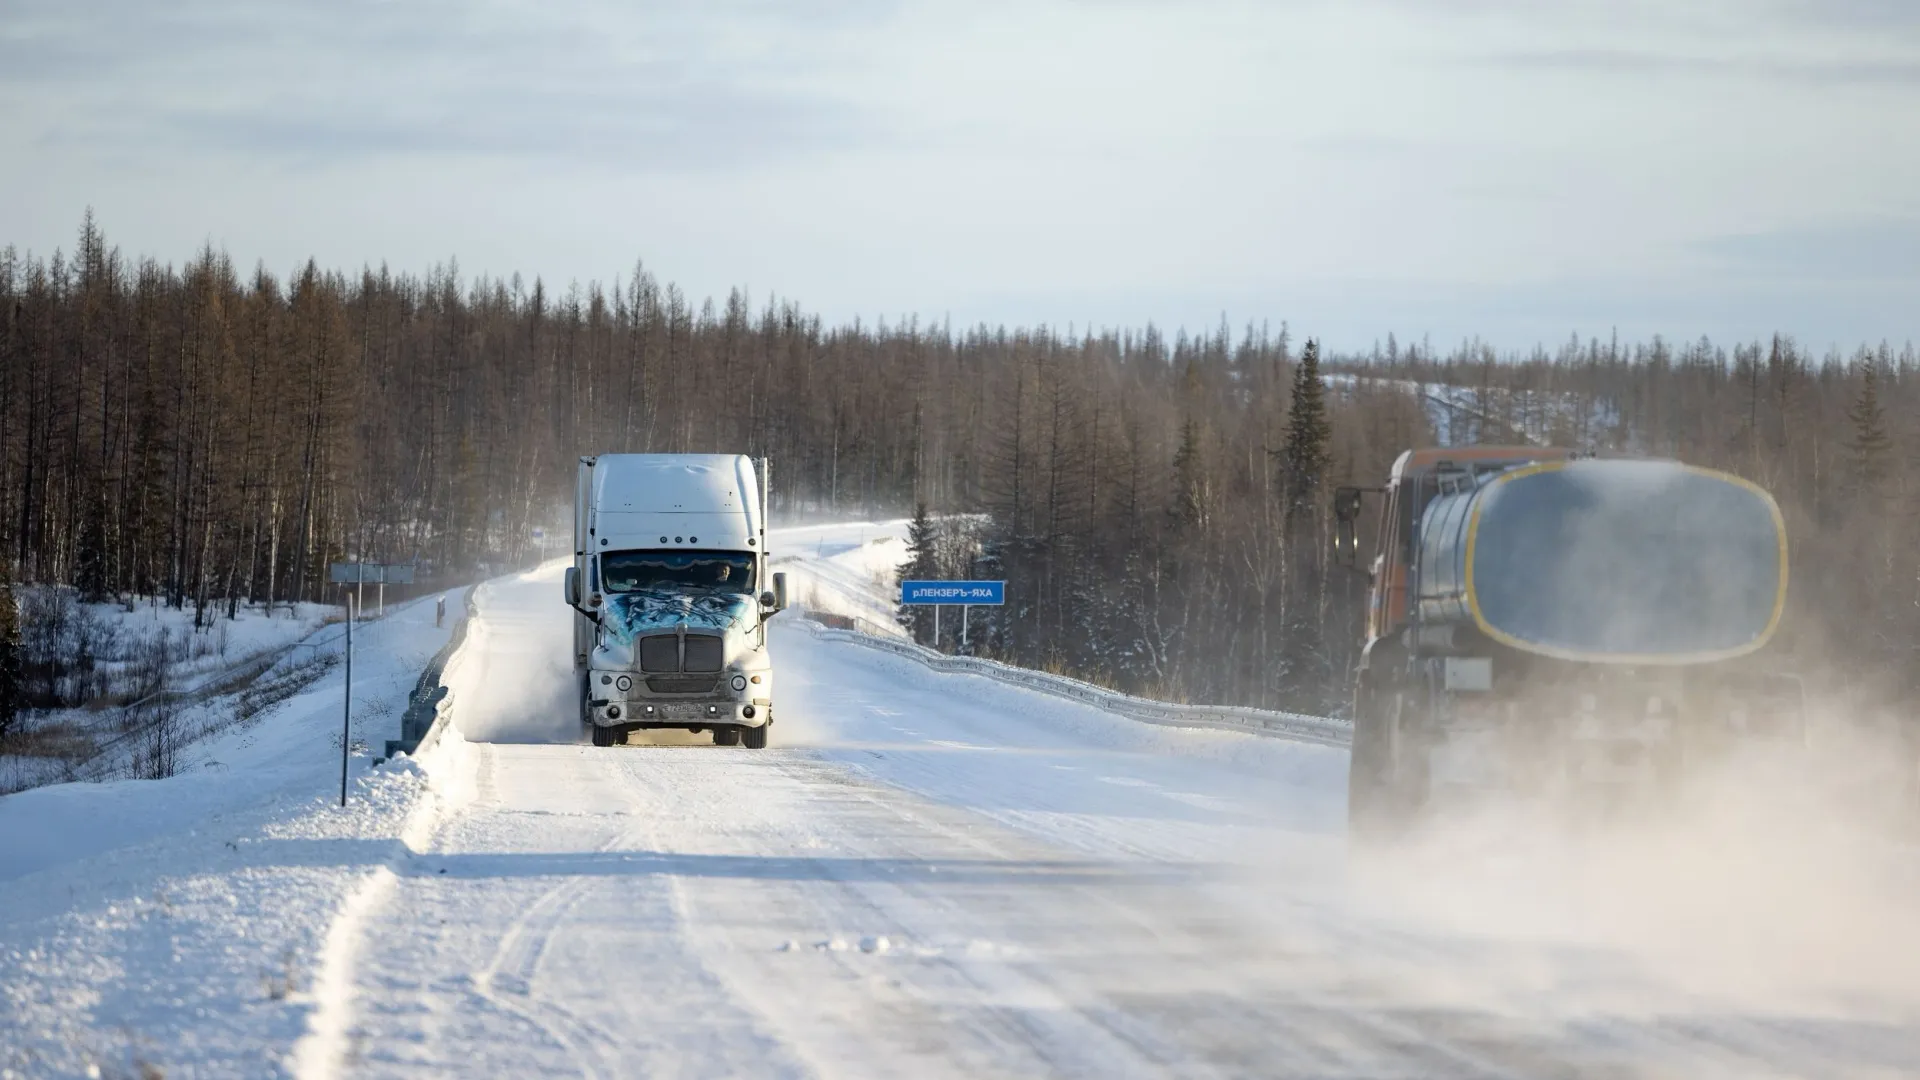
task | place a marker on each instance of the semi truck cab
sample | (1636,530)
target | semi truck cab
(671,596)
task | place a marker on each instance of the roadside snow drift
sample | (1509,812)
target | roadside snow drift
(174,923)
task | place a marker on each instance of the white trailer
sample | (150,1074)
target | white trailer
(670,585)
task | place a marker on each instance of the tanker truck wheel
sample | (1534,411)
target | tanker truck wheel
(603,736)
(1379,799)
(726,735)
(755,738)
(1369,770)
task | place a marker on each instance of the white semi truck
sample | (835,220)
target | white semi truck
(670,588)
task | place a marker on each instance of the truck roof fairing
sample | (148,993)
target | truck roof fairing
(706,501)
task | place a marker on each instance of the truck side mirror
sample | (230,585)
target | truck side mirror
(1346,515)
(573,586)
(780,592)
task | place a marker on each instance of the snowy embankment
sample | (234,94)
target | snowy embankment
(129,666)
(175,922)
(846,570)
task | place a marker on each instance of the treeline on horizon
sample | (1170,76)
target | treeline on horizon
(1157,504)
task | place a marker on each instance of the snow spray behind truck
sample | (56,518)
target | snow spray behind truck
(670,589)
(1546,623)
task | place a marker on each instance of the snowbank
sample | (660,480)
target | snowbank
(174,922)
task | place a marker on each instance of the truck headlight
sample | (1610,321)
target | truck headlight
(625,683)
(739,683)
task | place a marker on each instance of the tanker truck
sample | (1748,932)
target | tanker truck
(668,629)
(1586,631)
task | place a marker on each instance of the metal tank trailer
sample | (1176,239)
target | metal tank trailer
(1589,630)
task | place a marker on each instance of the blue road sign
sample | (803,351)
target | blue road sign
(953,592)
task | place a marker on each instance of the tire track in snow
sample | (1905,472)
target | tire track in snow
(515,965)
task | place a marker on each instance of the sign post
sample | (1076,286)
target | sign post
(379,574)
(358,574)
(964,593)
(346,711)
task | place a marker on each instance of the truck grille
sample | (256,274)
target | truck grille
(661,653)
(682,684)
(704,653)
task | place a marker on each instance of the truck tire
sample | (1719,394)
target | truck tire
(1370,802)
(603,736)
(754,738)
(1386,784)
(726,735)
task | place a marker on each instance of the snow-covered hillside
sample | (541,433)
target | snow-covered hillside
(103,657)
(845,570)
(1462,415)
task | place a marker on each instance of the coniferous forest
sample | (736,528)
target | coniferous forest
(214,435)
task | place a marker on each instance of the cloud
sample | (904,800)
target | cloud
(657,128)
(1104,160)
(1348,314)
(1643,63)
(1881,249)
(654,87)
(1865,15)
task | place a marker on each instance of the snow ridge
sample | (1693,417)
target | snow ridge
(1298,727)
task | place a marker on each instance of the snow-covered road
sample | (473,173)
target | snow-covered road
(935,875)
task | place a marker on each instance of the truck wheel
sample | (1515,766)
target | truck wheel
(755,738)
(1367,759)
(726,735)
(603,736)
(1376,805)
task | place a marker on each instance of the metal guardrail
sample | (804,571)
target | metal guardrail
(1297,727)
(431,701)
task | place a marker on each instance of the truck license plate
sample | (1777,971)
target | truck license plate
(685,710)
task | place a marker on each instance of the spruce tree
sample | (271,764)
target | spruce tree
(1308,451)
(1872,446)
(1188,510)
(922,565)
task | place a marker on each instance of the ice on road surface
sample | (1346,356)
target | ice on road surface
(935,875)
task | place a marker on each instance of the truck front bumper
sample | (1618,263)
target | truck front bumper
(680,713)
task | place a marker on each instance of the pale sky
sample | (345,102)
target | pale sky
(1522,170)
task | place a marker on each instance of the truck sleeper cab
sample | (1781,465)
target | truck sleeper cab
(667,585)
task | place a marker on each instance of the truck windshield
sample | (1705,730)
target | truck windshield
(676,571)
